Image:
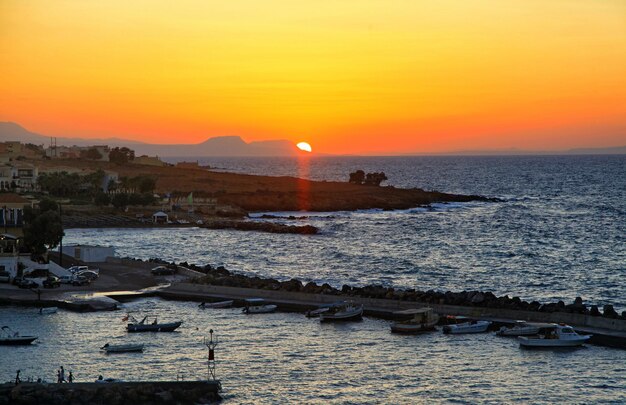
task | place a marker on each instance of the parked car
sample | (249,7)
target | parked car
(66,279)
(77,269)
(26,283)
(80,280)
(90,275)
(162,271)
(5,277)
(51,282)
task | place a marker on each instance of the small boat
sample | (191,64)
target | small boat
(146,326)
(315,313)
(220,304)
(560,335)
(258,306)
(520,328)
(9,337)
(472,326)
(107,348)
(423,320)
(344,311)
(48,310)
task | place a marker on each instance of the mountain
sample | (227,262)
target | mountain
(217,146)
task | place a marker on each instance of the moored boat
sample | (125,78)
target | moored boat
(560,336)
(146,326)
(108,348)
(472,326)
(48,310)
(345,311)
(10,337)
(521,328)
(422,320)
(258,306)
(220,304)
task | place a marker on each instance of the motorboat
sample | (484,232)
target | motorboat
(108,348)
(472,326)
(151,324)
(422,320)
(315,313)
(220,304)
(10,337)
(520,328)
(48,310)
(258,306)
(344,311)
(560,335)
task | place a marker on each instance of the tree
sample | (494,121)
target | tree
(121,155)
(101,199)
(120,200)
(43,228)
(91,154)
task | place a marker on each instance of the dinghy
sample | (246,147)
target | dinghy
(146,326)
(48,310)
(9,337)
(108,348)
(258,306)
(220,304)
(345,311)
(467,327)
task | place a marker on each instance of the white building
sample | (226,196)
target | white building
(89,254)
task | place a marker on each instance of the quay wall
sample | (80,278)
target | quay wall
(382,307)
(113,393)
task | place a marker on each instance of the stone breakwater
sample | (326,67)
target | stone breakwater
(261,227)
(220,276)
(116,393)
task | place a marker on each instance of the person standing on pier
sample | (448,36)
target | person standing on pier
(70,377)
(17,378)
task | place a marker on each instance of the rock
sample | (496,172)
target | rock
(593,311)
(578,301)
(609,312)
(477,298)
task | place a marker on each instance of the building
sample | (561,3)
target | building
(149,161)
(89,253)
(12,213)
(77,152)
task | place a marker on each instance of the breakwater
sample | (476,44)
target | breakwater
(111,393)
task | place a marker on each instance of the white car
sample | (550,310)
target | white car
(66,279)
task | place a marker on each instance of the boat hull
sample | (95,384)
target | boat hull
(18,341)
(162,327)
(463,328)
(546,343)
(123,349)
(342,316)
(412,329)
(221,304)
(264,309)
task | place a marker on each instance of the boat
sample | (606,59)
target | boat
(10,337)
(422,320)
(258,306)
(48,310)
(315,313)
(472,326)
(521,328)
(146,326)
(108,348)
(344,311)
(220,304)
(561,335)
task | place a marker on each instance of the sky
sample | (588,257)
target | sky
(347,76)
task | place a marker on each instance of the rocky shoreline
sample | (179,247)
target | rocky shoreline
(220,276)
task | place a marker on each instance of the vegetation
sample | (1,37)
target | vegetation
(123,200)
(91,154)
(121,156)
(43,229)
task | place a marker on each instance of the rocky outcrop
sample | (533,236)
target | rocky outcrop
(271,227)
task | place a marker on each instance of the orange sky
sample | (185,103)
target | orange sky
(348,76)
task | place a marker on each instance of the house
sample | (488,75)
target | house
(12,213)
(160,217)
(9,251)
(89,253)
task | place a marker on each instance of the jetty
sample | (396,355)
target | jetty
(111,393)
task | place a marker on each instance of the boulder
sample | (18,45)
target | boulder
(478,298)
(609,312)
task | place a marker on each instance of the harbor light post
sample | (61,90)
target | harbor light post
(210,344)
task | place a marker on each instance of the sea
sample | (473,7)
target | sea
(557,232)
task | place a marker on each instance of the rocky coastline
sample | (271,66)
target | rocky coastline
(222,277)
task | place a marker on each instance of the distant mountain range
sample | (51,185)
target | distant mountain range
(217,146)
(235,146)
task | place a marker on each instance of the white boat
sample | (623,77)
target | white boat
(422,320)
(467,327)
(220,304)
(521,328)
(258,306)
(154,326)
(48,310)
(560,336)
(107,348)
(9,337)
(344,311)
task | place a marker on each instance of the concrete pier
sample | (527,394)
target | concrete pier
(111,393)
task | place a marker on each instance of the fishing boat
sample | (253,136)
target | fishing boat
(220,304)
(521,328)
(258,306)
(560,335)
(345,311)
(48,310)
(108,348)
(150,324)
(422,320)
(472,326)
(10,337)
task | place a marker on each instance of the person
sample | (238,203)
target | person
(62,375)
(58,376)
(17,378)
(100,379)
(70,377)
(202,305)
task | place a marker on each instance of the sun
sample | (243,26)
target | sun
(304,146)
